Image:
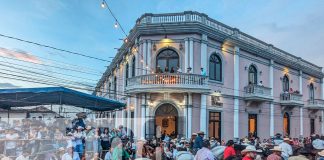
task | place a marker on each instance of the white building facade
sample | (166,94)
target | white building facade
(158,74)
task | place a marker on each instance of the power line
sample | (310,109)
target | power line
(54,48)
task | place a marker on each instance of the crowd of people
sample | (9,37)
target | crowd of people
(64,139)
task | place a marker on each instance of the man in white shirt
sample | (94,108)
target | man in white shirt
(318,143)
(70,154)
(205,153)
(286,149)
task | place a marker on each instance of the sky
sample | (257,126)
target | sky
(82,26)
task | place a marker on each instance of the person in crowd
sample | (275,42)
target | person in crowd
(199,140)
(277,140)
(79,136)
(179,70)
(303,154)
(250,153)
(320,155)
(286,149)
(202,71)
(318,143)
(166,69)
(70,154)
(105,141)
(172,70)
(260,83)
(183,154)
(276,153)
(205,153)
(11,144)
(24,155)
(229,150)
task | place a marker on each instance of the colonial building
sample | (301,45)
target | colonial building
(246,87)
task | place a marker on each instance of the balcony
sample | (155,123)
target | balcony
(291,99)
(257,93)
(315,104)
(169,82)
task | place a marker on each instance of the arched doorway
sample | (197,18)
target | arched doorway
(166,118)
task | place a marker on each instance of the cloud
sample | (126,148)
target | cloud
(8,85)
(20,55)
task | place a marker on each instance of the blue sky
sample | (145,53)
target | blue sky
(83,26)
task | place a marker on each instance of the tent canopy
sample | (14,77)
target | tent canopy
(23,97)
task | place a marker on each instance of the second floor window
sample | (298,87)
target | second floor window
(252,75)
(167,61)
(115,87)
(215,68)
(127,70)
(133,67)
(311,92)
(285,83)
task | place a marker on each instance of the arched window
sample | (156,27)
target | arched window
(285,83)
(167,61)
(253,75)
(126,72)
(311,92)
(133,67)
(215,68)
(286,123)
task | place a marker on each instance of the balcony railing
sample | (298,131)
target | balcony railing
(291,99)
(257,93)
(315,104)
(162,82)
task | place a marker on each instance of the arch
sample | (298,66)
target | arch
(286,123)
(311,92)
(253,74)
(166,118)
(166,60)
(285,83)
(215,67)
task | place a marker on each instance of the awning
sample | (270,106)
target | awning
(23,97)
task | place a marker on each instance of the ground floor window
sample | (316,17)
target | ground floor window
(312,126)
(286,124)
(253,121)
(214,126)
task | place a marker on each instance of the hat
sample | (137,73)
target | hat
(88,127)
(305,151)
(142,140)
(286,139)
(61,149)
(276,148)
(321,153)
(79,127)
(200,133)
(194,134)
(250,149)
(69,134)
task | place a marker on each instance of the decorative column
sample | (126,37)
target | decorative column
(301,108)
(128,115)
(188,114)
(148,57)
(203,113)
(191,55)
(236,90)
(186,55)
(271,103)
(144,51)
(143,116)
(135,117)
(185,114)
(147,117)
(203,51)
